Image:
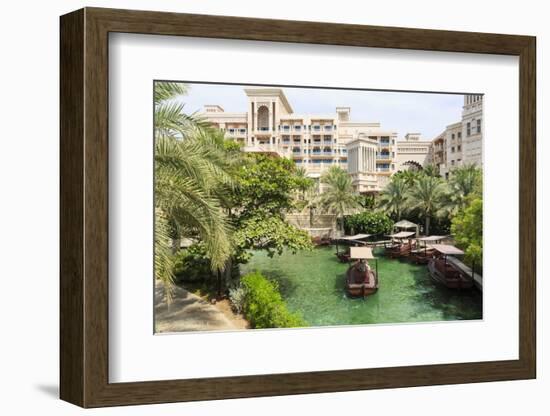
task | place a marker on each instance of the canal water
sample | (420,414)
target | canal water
(312,283)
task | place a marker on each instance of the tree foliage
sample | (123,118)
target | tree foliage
(338,196)
(368,222)
(190,167)
(467,229)
(393,198)
(265,186)
(427,196)
(271,233)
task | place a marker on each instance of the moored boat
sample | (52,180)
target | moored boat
(361,280)
(445,272)
(424,250)
(401,244)
(357,239)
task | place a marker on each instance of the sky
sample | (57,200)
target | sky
(402,112)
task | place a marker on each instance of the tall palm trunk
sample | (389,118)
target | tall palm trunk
(427,231)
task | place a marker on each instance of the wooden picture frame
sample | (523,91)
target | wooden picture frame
(84,207)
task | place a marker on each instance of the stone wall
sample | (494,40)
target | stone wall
(318,221)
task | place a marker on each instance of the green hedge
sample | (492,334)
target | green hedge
(368,222)
(264,307)
(191,264)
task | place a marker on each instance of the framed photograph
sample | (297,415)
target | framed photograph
(255,207)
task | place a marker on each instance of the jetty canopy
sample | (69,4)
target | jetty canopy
(402,234)
(361,253)
(406,225)
(355,237)
(448,250)
(432,238)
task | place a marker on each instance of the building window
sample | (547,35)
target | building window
(452,136)
(459,134)
(452,162)
(459,148)
(297,128)
(452,149)
(468,129)
(479,125)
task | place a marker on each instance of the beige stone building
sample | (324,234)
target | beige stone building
(413,153)
(461,142)
(313,141)
(368,152)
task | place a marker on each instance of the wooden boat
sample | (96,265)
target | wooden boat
(357,239)
(401,245)
(424,251)
(445,272)
(361,280)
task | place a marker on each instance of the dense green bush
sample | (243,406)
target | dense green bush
(467,229)
(368,222)
(192,264)
(264,307)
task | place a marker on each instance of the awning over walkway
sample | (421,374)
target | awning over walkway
(402,234)
(447,249)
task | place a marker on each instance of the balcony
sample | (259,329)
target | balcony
(383,157)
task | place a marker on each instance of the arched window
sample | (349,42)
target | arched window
(263,118)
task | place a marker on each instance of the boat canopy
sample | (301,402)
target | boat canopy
(361,253)
(355,237)
(447,249)
(432,238)
(402,234)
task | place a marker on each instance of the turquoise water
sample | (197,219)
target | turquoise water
(312,283)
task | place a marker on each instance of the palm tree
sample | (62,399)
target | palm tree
(464,180)
(408,176)
(189,169)
(338,196)
(431,170)
(393,197)
(427,196)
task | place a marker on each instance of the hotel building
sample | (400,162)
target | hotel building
(461,142)
(314,141)
(368,152)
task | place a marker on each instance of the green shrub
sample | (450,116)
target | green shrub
(368,222)
(264,307)
(237,297)
(192,264)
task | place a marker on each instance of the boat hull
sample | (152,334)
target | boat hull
(361,283)
(447,275)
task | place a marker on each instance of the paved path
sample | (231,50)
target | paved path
(187,312)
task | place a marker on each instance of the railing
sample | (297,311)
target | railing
(383,157)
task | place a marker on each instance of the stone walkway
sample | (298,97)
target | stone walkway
(187,312)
